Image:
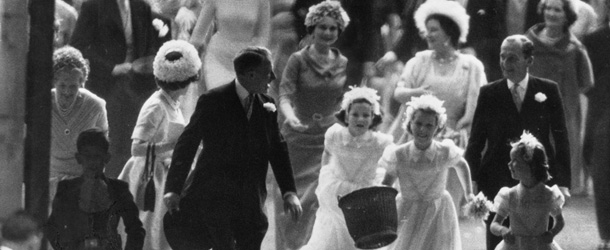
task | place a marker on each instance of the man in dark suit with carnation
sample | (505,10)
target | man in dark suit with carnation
(505,109)
(237,124)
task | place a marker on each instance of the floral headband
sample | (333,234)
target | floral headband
(327,8)
(177,69)
(530,143)
(426,102)
(361,93)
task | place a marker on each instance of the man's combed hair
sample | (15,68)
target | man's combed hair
(250,58)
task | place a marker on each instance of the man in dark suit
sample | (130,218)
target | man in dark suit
(504,110)
(113,34)
(597,132)
(237,124)
(493,20)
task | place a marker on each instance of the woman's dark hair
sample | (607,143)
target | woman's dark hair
(568,9)
(449,26)
(377,119)
(173,86)
(92,137)
(539,164)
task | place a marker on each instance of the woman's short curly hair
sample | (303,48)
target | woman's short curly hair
(568,9)
(341,115)
(68,58)
(328,8)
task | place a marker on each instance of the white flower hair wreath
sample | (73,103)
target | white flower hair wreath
(328,8)
(450,9)
(361,93)
(530,143)
(426,102)
(178,70)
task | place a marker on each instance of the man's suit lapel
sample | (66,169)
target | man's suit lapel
(506,98)
(234,104)
(528,99)
(111,7)
(532,109)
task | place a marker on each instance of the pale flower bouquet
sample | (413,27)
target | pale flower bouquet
(478,207)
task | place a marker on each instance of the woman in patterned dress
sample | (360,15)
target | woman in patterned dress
(74,110)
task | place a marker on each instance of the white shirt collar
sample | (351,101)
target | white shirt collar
(5,248)
(416,153)
(522,83)
(242,92)
(359,141)
(174,104)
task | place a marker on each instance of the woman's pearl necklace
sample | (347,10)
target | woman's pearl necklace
(443,60)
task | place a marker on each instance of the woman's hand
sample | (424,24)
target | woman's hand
(422,90)
(296,124)
(508,237)
(172,201)
(388,58)
(121,69)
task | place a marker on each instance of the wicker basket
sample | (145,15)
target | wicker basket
(370,215)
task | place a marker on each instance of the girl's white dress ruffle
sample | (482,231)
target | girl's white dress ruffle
(528,210)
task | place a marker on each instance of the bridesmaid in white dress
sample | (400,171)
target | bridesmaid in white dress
(160,121)
(529,204)
(427,217)
(349,162)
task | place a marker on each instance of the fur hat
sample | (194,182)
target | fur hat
(327,8)
(451,9)
(176,61)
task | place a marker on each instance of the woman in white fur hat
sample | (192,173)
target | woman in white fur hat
(159,125)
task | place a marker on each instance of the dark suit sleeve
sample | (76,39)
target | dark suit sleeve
(478,133)
(130,214)
(148,34)
(280,162)
(84,37)
(51,227)
(560,136)
(186,147)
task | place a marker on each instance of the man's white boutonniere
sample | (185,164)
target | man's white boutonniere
(269,107)
(160,26)
(540,97)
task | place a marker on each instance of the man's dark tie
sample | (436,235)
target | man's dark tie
(248,104)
